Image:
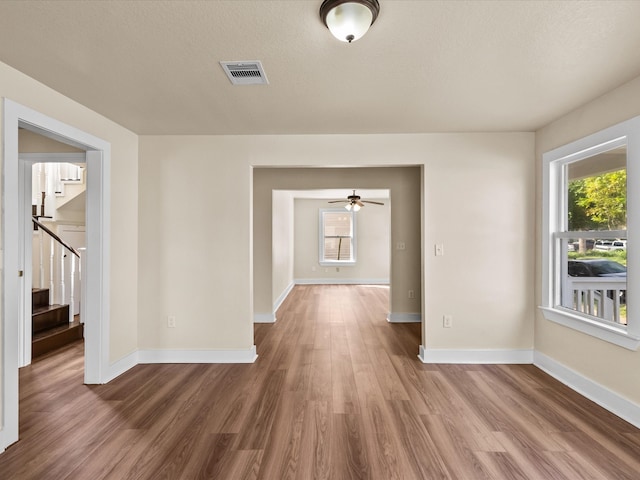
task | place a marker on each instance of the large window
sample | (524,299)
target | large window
(337,237)
(589,218)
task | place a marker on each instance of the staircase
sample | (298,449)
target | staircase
(50,324)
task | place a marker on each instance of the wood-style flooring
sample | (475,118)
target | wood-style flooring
(336,393)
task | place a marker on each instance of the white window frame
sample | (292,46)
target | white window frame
(321,237)
(625,133)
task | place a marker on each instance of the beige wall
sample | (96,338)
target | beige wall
(195,243)
(611,366)
(373,233)
(124,196)
(30,142)
(479,200)
(196,227)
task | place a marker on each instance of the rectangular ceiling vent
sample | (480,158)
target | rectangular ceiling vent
(245,73)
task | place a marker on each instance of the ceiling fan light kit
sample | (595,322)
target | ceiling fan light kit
(353,202)
(349,20)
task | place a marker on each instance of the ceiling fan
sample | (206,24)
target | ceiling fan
(354,202)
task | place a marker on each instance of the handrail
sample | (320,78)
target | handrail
(55,237)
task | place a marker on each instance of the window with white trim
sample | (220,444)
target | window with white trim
(589,282)
(337,237)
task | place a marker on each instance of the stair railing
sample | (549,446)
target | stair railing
(55,238)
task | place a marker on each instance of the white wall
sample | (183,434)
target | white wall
(610,366)
(373,233)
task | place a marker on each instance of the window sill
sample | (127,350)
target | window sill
(346,263)
(616,335)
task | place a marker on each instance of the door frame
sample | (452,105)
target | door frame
(96,268)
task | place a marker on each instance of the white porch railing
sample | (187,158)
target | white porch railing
(596,296)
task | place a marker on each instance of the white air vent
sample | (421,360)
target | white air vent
(245,73)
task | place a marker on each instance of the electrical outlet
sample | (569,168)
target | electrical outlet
(412,294)
(401,246)
(447,321)
(171,321)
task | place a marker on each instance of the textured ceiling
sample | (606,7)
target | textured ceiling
(425,66)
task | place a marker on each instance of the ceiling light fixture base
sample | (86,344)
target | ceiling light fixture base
(349,20)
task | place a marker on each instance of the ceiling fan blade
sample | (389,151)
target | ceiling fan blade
(338,201)
(371,201)
(359,203)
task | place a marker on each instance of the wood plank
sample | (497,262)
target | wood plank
(336,393)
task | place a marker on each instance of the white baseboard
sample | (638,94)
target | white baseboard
(177,356)
(264,318)
(198,356)
(595,392)
(121,366)
(404,317)
(438,355)
(341,281)
(282,298)
(271,317)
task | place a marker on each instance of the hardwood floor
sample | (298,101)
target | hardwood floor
(336,393)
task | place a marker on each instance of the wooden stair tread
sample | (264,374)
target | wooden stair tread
(50,327)
(56,337)
(47,308)
(56,330)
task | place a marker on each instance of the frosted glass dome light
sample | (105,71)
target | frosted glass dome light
(349,20)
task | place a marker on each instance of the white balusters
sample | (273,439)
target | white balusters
(83,292)
(52,253)
(72,274)
(41,259)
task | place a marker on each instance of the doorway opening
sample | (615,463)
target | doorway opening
(16,258)
(273,272)
(55,190)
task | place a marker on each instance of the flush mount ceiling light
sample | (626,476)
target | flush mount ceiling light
(348,20)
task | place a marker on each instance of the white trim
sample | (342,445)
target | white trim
(264,318)
(282,298)
(97,259)
(552,199)
(616,404)
(271,317)
(121,366)
(25,244)
(321,237)
(404,317)
(341,281)
(179,356)
(441,355)
(616,335)
(198,356)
